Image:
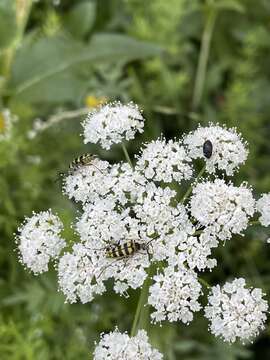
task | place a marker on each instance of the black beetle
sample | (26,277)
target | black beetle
(207,149)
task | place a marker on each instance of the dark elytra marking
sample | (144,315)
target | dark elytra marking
(127,249)
(123,250)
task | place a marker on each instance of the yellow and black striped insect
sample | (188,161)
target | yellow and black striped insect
(207,149)
(119,251)
(79,162)
(123,251)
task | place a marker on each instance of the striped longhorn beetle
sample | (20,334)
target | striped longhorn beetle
(79,162)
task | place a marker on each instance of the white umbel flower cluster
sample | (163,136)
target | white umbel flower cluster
(224,209)
(39,241)
(118,346)
(263,207)
(235,311)
(151,222)
(197,249)
(174,295)
(161,161)
(112,123)
(134,218)
(229,150)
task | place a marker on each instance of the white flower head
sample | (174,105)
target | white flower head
(101,224)
(174,295)
(128,183)
(153,208)
(263,206)
(197,249)
(235,311)
(76,275)
(162,225)
(161,161)
(6,123)
(89,183)
(228,149)
(39,240)
(224,209)
(119,346)
(112,123)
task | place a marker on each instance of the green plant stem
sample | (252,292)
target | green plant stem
(140,305)
(205,283)
(198,232)
(23,8)
(186,195)
(126,155)
(254,222)
(203,57)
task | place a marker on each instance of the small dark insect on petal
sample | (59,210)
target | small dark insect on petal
(207,149)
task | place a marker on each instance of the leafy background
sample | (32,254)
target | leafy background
(184,62)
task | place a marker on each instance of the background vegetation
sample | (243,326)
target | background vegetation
(183,62)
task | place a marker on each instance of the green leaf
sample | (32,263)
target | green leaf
(40,66)
(81,18)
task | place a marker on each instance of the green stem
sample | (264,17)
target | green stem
(198,232)
(126,155)
(140,305)
(254,222)
(203,57)
(186,195)
(205,283)
(23,8)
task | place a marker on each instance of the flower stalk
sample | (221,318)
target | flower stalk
(126,154)
(189,190)
(141,318)
(23,9)
(211,16)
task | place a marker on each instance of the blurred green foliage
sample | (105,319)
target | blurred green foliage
(57,59)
